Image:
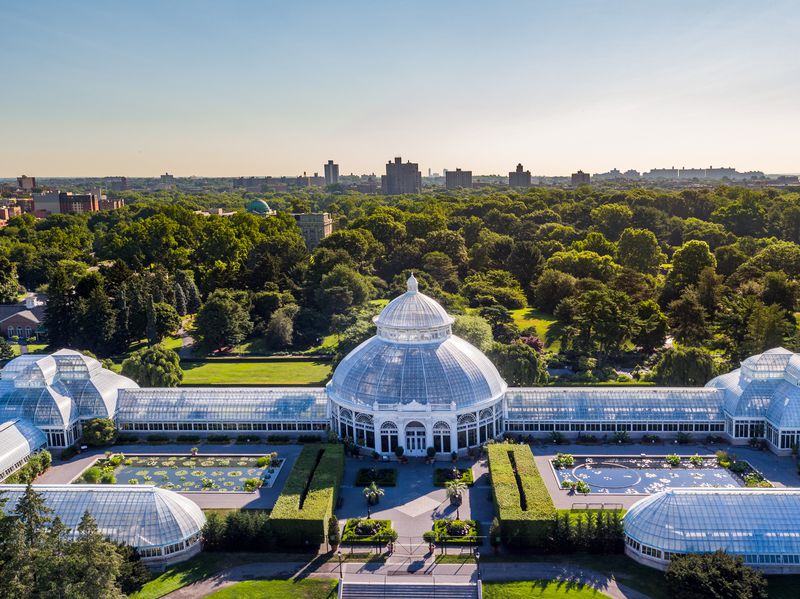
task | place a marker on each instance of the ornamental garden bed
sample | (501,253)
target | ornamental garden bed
(454,532)
(363,531)
(187,474)
(444,475)
(383,477)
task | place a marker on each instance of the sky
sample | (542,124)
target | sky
(213,88)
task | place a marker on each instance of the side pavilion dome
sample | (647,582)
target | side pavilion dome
(415,361)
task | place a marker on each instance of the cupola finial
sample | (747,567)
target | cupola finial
(413,286)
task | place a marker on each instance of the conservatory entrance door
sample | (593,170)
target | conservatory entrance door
(415,438)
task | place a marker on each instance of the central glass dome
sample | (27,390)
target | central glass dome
(414,361)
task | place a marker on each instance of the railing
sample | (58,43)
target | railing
(597,506)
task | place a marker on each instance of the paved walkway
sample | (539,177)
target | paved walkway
(397,569)
(415,502)
(66,472)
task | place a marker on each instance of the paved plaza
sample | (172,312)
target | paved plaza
(414,503)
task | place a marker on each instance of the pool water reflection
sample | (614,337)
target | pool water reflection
(644,476)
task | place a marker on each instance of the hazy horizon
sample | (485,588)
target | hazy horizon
(262,88)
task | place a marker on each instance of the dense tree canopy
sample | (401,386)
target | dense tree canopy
(154,366)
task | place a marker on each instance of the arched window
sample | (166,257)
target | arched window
(441,437)
(346,429)
(364,431)
(467,431)
(388,437)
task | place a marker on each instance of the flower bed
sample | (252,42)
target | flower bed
(444,475)
(383,477)
(187,474)
(454,532)
(361,531)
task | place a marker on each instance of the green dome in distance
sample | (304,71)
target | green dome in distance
(259,207)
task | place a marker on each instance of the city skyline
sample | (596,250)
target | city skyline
(209,90)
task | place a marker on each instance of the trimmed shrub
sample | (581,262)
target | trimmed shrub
(247,439)
(444,475)
(522,502)
(157,439)
(301,513)
(383,477)
(361,531)
(188,439)
(454,532)
(278,439)
(309,438)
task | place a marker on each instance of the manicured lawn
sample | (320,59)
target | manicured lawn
(623,569)
(546,325)
(546,589)
(307,588)
(222,372)
(197,568)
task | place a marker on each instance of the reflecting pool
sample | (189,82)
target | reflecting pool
(644,475)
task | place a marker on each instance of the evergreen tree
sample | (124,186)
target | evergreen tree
(61,310)
(180,300)
(185,279)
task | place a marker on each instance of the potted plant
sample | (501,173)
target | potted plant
(431,454)
(194,451)
(333,533)
(455,490)
(373,493)
(399,451)
(454,455)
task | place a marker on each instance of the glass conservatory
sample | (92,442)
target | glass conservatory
(163,526)
(760,525)
(57,392)
(19,439)
(416,384)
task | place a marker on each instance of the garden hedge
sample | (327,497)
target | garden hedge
(315,480)
(524,506)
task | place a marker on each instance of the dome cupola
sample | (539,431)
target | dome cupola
(413,317)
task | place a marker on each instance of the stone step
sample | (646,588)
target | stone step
(359,590)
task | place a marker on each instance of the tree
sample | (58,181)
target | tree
(180,300)
(96,562)
(280,328)
(494,286)
(639,250)
(342,288)
(525,262)
(504,329)
(165,321)
(583,265)
(687,263)
(552,287)
(185,278)
(6,351)
(224,320)
(612,219)
(133,574)
(780,290)
(154,366)
(60,311)
(709,290)
(9,285)
(519,364)
(684,367)
(687,318)
(597,243)
(768,327)
(474,329)
(99,431)
(651,330)
(600,320)
(715,575)
(33,516)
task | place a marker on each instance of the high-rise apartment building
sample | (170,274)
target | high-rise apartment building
(519,178)
(401,178)
(580,178)
(26,183)
(331,173)
(458,179)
